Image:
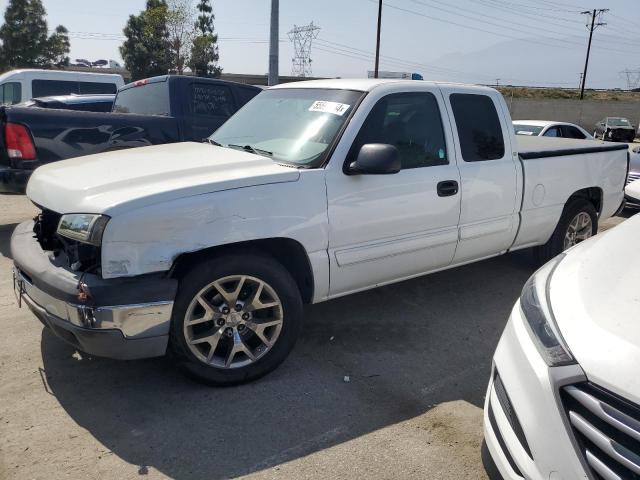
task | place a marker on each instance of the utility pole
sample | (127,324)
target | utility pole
(595,13)
(273,43)
(375,71)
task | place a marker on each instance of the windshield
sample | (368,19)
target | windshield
(618,122)
(531,130)
(294,126)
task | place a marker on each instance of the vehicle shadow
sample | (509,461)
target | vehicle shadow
(405,348)
(5,238)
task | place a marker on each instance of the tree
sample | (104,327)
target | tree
(24,38)
(146,49)
(204,51)
(180,28)
(58,49)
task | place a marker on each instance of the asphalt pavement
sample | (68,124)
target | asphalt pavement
(385,384)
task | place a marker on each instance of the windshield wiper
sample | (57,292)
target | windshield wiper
(250,149)
(213,142)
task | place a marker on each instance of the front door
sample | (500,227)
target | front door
(388,227)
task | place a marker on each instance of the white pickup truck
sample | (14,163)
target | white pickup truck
(311,191)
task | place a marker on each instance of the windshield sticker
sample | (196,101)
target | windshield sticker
(329,107)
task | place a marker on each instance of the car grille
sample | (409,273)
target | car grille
(632,177)
(607,428)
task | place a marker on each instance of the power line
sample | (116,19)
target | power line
(575,22)
(503,35)
(365,56)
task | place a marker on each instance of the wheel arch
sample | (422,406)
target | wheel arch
(593,195)
(288,252)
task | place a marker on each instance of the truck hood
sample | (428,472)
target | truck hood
(595,297)
(126,179)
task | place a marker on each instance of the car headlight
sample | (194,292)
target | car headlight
(83,227)
(539,318)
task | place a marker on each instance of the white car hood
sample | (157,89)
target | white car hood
(595,297)
(126,179)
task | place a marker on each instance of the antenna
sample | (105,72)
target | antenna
(302,38)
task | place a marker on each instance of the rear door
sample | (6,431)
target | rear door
(488,173)
(209,105)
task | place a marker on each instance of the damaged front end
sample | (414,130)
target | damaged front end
(59,278)
(77,254)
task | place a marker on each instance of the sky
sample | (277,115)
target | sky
(524,42)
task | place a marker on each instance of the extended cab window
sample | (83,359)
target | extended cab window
(412,123)
(46,88)
(211,100)
(87,88)
(478,126)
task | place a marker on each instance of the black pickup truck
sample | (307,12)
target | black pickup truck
(165,109)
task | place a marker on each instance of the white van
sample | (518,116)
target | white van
(21,85)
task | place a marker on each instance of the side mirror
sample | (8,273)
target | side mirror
(376,159)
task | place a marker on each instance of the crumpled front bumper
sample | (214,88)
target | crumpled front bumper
(124,318)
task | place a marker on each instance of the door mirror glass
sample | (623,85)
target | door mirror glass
(376,159)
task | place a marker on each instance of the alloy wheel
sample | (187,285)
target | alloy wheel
(233,321)
(579,229)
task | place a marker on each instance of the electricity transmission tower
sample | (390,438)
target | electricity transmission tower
(302,38)
(632,77)
(596,13)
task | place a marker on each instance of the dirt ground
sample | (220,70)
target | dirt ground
(417,356)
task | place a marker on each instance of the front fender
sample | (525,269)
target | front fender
(149,239)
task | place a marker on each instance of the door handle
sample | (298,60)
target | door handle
(447,188)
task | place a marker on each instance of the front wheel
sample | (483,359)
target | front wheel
(579,221)
(235,319)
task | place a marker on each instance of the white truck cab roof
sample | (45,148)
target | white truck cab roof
(368,84)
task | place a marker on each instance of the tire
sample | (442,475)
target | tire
(251,356)
(556,243)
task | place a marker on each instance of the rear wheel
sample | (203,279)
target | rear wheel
(236,318)
(579,221)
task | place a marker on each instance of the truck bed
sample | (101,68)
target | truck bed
(554,168)
(541,147)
